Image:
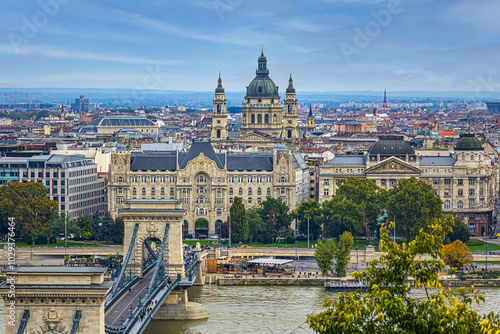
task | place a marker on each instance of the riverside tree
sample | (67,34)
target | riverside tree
(341,215)
(276,216)
(389,308)
(457,255)
(310,209)
(29,205)
(239,221)
(323,254)
(413,205)
(343,254)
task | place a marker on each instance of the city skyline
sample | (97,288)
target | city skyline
(365,45)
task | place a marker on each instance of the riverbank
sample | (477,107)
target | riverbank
(320,281)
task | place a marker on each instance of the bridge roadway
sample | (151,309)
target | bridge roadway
(121,310)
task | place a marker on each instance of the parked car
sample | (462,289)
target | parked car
(202,236)
(215,236)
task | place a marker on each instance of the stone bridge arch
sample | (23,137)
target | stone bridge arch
(152,216)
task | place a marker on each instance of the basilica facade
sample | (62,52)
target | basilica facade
(266,122)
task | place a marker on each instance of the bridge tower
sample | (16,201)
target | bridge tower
(152,215)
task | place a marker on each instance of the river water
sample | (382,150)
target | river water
(259,309)
(262,309)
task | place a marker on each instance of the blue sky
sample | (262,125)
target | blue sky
(404,45)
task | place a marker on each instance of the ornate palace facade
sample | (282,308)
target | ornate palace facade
(206,181)
(466,179)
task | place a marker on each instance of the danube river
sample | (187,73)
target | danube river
(259,309)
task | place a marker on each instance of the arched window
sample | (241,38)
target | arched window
(463,156)
(289,108)
(260,90)
(289,133)
(259,118)
(266,119)
(252,118)
(460,204)
(249,191)
(471,157)
(218,133)
(219,108)
(268,191)
(134,191)
(240,191)
(447,205)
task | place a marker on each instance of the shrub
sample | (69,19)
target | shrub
(474,242)
(53,240)
(41,240)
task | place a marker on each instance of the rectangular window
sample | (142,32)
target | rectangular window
(259,179)
(230,191)
(144,179)
(250,200)
(153,179)
(269,179)
(472,228)
(133,179)
(472,182)
(231,200)
(447,182)
(171,191)
(435,182)
(219,180)
(153,191)
(219,212)
(268,192)
(282,191)
(383,182)
(162,191)
(472,192)
(481,192)
(460,182)
(259,191)
(326,192)
(120,191)
(460,192)
(230,179)
(472,203)
(47,175)
(259,200)
(162,179)
(240,179)
(63,174)
(172,179)
(327,182)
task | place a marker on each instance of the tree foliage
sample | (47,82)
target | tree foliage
(239,221)
(364,191)
(388,307)
(256,226)
(85,223)
(276,216)
(29,205)
(343,254)
(310,209)
(413,205)
(60,223)
(460,231)
(324,254)
(341,215)
(457,255)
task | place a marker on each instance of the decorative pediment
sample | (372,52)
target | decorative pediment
(393,165)
(252,137)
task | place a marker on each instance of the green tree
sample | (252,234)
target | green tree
(460,231)
(29,205)
(104,228)
(323,254)
(239,221)
(256,226)
(364,191)
(276,215)
(389,308)
(310,209)
(413,205)
(59,223)
(340,216)
(117,231)
(86,235)
(343,254)
(85,222)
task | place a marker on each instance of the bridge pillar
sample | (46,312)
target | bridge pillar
(53,295)
(152,215)
(177,307)
(199,279)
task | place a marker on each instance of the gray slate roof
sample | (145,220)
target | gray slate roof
(123,121)
(250,161)
(153,161)
(348,160)
(299,161)
(198,148)
(437,161)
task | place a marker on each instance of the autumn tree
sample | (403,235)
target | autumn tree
(389,308)
(341,215)
(323,254)
(309,210)
(239,221)
(457,255)
(342,254)
(364,191)
(413,205)
(29,205)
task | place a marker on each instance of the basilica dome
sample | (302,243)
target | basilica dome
(262,86)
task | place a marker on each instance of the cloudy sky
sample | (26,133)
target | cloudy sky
(329,45)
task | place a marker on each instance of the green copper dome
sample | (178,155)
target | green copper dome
(468,142)
(262,86)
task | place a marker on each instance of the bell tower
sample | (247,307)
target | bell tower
(290,117)
(219,118)
(310,119)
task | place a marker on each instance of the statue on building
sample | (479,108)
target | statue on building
(52,323)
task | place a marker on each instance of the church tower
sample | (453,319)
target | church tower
(262,111)
(219,118)
(290,116)
(310,120)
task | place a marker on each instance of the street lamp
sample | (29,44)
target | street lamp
(229,230)
(357,255)
(65,230)
(486,239)
(307,231)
